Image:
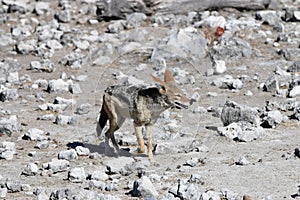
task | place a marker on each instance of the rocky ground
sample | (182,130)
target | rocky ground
(239,140)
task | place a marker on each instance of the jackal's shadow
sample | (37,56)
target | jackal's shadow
(100,149)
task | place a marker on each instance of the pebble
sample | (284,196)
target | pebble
(83,109)
(82,151)
(30,170)
(272,119)
(117,165)
(77,175)
(35,134)
(9,125)
(145,188)
(57,165)
(219,67)
(65,120)
(58,85)
(68,155)
(242,161)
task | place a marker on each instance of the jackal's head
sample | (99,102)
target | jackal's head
(170,89)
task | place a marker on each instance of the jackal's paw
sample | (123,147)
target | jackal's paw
(139,150)
(154,163)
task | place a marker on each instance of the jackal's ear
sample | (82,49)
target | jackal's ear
(169,76)
(158,80)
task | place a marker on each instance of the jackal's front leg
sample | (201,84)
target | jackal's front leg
(140,139)
(149,133)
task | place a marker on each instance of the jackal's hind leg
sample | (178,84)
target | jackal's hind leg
(140,139)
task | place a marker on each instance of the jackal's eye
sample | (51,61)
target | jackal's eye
(178,95)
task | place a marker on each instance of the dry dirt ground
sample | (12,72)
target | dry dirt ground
(273,172)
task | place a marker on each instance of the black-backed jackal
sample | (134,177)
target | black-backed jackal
(141,103)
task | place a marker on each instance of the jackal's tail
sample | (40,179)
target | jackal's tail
(101,121)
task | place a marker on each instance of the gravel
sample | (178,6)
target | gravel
(238,139)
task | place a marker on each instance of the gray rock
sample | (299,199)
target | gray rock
(118,165)
(269,17)
(294,92)
(233,112)
(81,44)
(275,82)
(102,61)
(7,154)
(117,26)
(57,165)
(215,21)
(68,155)
(63,16)
(41,193)
(125,48)
(61,194)
(187,41)
(12,77)
(93,195)
(7,94)
(43,66)
(65,120)
(295,67)
(74,60)
(186,190)
(3,192)
(77,175)
(59,85)
(83,109)
(10,125)
(229,195)
(195,97)
(82,151)
(210,195)
(42,84)
(145,188)
(219,66)
(42,145)
(133,81)
(26,47)
(60,100)
(241,131)
(296,114)
(297,15)
(75,88)
(53,107)
(242,161)
(99,176)
(7,150)
(21,31)
(42,7)
(30,170)
(13,186)
(193,162)
(228,82)
(290,54)
(288,104)
(54,44)
(97,184)
(6,40)
(35,134)
(135,20)
(231,48)
(272,119)
(48,117)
